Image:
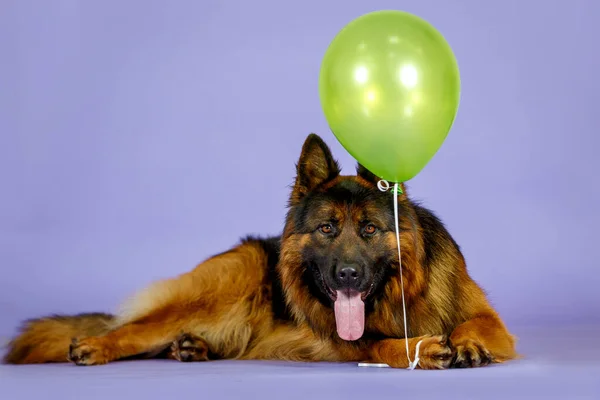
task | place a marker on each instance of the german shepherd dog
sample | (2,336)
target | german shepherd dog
(327,289)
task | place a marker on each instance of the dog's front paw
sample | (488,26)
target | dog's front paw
(88,351)
(435,352)
(470,354)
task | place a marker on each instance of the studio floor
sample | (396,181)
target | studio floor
(558,363)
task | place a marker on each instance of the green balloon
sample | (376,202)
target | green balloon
(390,88)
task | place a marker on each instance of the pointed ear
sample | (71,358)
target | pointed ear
(370,177)
(315,167)
(366,174)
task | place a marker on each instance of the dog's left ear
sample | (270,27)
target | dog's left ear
(370,177)
(315,167)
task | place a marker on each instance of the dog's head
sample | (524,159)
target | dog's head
(339,248)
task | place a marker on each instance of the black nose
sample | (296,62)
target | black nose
(348,275)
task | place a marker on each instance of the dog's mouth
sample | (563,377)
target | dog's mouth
(349,309)
(333,294)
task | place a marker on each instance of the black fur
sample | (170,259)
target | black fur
(272,247)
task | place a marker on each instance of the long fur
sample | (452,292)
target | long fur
(259,300)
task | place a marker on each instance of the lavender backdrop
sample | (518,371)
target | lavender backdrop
(138,137)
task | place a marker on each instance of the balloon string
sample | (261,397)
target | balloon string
(384,186)
(397,191)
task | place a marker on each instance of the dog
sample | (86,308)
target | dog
(327,289)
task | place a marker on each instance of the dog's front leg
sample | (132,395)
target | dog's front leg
(480,341)
(434,352)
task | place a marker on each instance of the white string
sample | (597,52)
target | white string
(384,186)
(411,364)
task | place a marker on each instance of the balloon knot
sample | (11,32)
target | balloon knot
(384,186)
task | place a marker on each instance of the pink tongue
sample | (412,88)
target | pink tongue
(349,314)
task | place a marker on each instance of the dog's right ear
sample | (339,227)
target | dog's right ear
(315,167)
(366,174)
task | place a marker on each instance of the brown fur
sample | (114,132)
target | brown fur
(243,305)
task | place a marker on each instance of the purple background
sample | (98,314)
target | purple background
(138,137)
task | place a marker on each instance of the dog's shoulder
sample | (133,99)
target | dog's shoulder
(271,248)
(270,245)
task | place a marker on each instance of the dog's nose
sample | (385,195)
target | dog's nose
(348,275)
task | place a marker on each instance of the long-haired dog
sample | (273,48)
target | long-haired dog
(327,289)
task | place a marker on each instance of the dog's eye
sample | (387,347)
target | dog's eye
(370,229)
(326,229)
